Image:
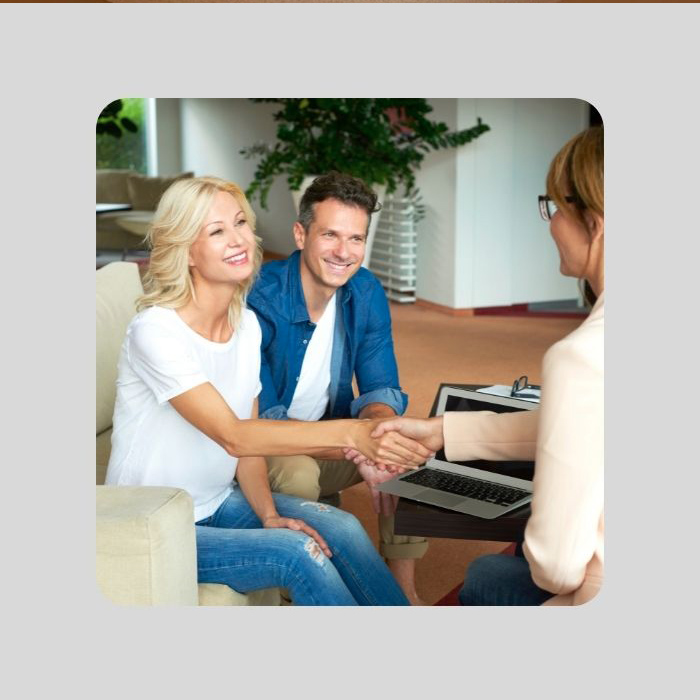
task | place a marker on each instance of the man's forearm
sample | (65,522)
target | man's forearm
(376,410)
(330,455)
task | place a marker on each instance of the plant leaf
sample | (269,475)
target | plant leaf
(129,125)
(381,141)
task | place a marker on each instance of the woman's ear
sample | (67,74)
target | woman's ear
(595,224)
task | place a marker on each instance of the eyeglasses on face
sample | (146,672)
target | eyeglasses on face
(548,207)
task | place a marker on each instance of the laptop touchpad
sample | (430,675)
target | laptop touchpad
(439,499)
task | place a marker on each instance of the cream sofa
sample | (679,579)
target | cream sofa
(125,230)
(146,550)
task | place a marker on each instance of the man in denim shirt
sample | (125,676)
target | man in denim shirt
(325,319)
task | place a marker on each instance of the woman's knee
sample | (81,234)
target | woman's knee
(344,526)
(480,577)
(295,476)
(308,562)
(485,567)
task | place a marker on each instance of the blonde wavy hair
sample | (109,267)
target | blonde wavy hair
(577,171)
(180,215)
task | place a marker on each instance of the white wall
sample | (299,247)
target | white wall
(213,133)
(541,128)
(483,242)
(206,135)
(168,137)
(435,269)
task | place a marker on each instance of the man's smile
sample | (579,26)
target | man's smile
(339,267)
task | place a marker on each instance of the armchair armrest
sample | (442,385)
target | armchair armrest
(146,552)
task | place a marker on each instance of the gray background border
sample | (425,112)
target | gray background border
(62,63)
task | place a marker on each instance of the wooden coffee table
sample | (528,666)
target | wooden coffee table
(421,520)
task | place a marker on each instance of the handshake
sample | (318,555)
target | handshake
(386,447)
(395,444)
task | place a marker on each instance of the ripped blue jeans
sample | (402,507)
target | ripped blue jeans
(233,548)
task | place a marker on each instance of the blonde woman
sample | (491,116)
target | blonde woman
(563,549)
(186,415)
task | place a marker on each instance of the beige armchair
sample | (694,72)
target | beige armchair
(146,550)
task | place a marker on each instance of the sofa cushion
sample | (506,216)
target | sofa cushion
(111,186)
(219,594)
(145,191)
(118,286)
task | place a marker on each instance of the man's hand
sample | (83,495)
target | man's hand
(274,521)
(384,503)
(357,457)
(373,411)
(428,431)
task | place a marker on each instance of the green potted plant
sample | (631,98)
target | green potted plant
(381,141)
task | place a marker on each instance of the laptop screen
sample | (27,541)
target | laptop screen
(465,402)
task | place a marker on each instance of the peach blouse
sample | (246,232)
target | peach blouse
(564,535)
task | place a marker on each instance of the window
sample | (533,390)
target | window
(129,149)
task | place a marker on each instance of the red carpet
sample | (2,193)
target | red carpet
(525,310)
(451,597)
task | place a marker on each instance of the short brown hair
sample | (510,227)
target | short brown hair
(334,185)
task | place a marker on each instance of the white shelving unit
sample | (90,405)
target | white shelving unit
(393,258)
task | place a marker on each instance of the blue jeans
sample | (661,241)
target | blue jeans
(233,548)
(499,579)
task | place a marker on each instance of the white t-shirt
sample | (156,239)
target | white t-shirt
(162,357)
(311,395)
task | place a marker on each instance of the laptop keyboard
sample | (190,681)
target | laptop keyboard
(466,486)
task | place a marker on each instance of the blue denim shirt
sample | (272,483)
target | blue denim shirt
(362,342)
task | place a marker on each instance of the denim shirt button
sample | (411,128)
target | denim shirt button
(305,341)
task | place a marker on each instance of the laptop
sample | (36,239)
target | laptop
(482,488)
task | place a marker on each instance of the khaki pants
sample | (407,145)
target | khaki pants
(308,478)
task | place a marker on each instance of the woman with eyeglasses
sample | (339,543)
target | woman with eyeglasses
(563,547)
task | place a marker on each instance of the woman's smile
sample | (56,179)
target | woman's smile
(237,258)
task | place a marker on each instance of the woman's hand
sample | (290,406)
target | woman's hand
(427,431)
(273,521)
(387,446)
